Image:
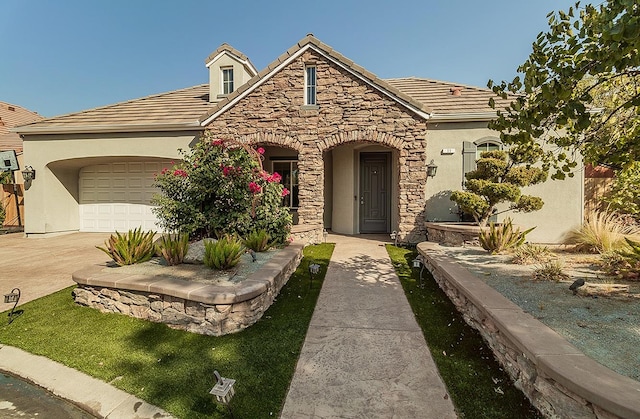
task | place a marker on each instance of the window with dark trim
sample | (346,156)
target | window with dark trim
(310,85)
(288,169)
(227,80)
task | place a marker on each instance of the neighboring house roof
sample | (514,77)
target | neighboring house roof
(311,42)
(448,99)
(190,108)
(12,116)
(175,110)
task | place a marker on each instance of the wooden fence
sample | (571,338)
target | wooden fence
(13,203)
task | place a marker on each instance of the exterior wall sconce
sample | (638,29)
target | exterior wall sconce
(223,390)
(29,174)
(432,168)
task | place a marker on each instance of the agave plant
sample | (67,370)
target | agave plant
(500,237)
(257,240)
(134,247)
(173,247)
(224,253)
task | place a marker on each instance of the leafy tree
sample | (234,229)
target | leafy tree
(624,196)
(578,59)
(220,188)
(498,178)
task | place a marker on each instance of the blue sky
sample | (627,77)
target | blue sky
(68,55)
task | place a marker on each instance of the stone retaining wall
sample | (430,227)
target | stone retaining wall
(557,377)
(452,234)
(187,305)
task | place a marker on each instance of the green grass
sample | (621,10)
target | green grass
(174,369)
(477,384)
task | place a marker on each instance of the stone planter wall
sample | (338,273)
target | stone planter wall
(558,379)
(452,234)
(186,305)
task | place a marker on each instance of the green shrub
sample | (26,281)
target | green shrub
(552,270)
(624,196)
(601,232)
(224,253)
(133,247)
(624,263)
(173,247)
(501,237)
(499,177)
(220,188)
(531,253)
(3,214)
(257,240)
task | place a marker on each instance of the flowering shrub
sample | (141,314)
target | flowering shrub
(220,188)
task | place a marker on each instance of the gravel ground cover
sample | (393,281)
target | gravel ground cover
(607,329)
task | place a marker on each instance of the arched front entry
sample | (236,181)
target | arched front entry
(361,194)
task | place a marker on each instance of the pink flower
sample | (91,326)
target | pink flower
(227,170)
(217,142)
(264,175)
(285,192)
(254,188)
(180,172)
(275,177)
(164,171)
(260,150)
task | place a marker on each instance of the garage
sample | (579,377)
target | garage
(117,196)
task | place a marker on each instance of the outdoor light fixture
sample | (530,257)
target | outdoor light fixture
(418,262)
(253,255)
(325,234)
(29,174)
(432,168)
(223,390)
(13,297)
(394,237)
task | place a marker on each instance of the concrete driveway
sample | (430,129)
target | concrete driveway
(41,266)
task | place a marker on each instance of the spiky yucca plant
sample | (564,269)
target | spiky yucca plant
(257,240)
(224,253)
(500,237)
(134,247)
(601,232)
(173,247)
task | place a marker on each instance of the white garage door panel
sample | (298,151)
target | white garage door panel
(117,196)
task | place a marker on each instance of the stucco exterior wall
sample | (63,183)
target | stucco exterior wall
(349,111)
(563,200)
(52,198)
(240,76)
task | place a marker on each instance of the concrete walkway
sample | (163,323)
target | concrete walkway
(364,355)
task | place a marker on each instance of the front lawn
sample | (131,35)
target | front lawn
(173,369)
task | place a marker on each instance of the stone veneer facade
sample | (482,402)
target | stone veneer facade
(348,111)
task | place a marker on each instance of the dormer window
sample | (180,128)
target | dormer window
(310,85)
(227,80)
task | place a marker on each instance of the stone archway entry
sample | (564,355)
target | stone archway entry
(375,192)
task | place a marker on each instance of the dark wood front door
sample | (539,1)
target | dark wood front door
(375,194)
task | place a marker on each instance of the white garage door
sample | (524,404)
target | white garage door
(117,196)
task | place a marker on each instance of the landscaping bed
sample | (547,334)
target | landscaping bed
(605,327)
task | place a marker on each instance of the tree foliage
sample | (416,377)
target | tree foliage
(498,178)
(624,196)
(220,188)
(580,90)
